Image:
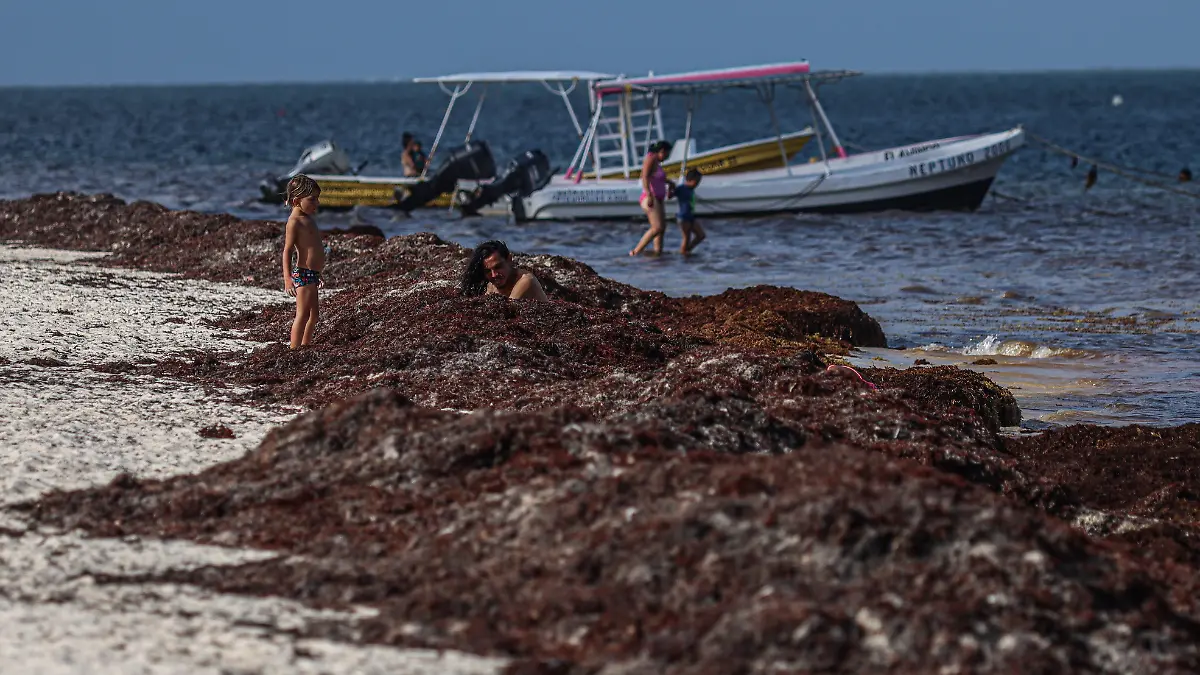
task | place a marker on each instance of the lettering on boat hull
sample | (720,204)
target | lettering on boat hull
(713,165)
(997,149)
(589,197)
(909,152)
(940,165)
(993,151)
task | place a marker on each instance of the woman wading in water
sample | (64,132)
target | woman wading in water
(654,193)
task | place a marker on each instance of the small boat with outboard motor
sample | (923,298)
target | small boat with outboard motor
(467,168)
(952,173)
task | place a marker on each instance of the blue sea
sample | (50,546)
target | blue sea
(1085,299)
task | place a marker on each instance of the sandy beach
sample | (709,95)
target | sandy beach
(67,425)
(64,425)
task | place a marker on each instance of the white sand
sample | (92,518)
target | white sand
(69,427)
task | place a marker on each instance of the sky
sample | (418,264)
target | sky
(75,42)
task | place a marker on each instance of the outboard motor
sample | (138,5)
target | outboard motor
(323,158)
(472,161)
(527,173)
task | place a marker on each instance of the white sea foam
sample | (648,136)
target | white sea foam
(993,345)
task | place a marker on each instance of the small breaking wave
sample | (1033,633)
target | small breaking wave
(995,346)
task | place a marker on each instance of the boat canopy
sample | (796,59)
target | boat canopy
(613,120)
(558,82)
(516,76)
(724,78)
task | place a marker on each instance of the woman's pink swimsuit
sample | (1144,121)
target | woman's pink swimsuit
(658,184)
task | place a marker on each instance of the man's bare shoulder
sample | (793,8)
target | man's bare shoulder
(528,286)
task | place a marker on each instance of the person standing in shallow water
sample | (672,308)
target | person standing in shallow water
(685,193)
(491,270)
(654,194)
(303,280)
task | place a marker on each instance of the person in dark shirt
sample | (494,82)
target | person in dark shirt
(685,194)
(413,157)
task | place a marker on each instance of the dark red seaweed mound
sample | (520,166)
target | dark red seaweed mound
(1136,484)
(216,431)
(442,349)
(950,386)
(646,484)
(664,538)
(224,248)
(1145,471)
(769,316)
(143,234)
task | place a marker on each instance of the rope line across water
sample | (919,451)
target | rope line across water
(1126,172)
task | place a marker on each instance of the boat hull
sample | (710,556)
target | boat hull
(751,156)
(339,192)
(948,174)
(963,197)
(350,191)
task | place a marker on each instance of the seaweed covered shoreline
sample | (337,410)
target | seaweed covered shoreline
(645,484)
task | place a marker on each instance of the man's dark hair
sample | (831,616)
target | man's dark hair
(473,280)
(693,174)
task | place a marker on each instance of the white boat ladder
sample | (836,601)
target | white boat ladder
(625,126)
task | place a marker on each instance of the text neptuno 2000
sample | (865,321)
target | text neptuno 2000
(958,161)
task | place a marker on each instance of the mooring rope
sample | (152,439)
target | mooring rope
(1124,171)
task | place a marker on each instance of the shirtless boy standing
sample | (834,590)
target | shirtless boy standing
(303,280)
(491,270)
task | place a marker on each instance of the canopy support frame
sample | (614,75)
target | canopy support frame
(459,91)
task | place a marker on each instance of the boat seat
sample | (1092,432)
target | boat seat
(677,150)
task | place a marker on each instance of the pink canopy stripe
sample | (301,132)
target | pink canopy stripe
(746,73)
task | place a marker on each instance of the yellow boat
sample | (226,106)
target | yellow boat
(749,156)
(627,129)
(350,191)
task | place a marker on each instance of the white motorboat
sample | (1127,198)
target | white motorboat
(470,167)
(945,174)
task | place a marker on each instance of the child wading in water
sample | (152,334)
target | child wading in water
(685,193)
(302,281)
